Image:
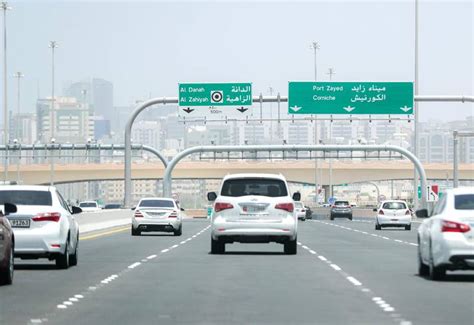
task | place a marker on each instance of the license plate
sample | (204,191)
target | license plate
(20,223)
(394,219)
(253,208)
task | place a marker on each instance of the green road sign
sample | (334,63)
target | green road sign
(350,98)
(215,94)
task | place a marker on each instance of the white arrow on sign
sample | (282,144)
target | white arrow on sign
(296,108)
(349,108)
(405,108)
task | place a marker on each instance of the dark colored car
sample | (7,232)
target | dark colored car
(341,209)
(7,245)
(309,213)
(113,206)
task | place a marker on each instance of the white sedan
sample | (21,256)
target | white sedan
(393,213)
(300,211)
(43,225)
(89,206)
(446,239)
(157,214)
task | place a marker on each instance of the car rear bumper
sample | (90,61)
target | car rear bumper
(341,214)
(254,232)
(394,221)
(454,251)
(154,224)
(36,243)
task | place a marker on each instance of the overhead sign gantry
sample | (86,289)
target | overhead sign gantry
(207,99)
(350,98)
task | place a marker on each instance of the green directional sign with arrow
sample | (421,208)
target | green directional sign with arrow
(350,98)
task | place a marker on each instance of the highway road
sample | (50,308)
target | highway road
(344,273)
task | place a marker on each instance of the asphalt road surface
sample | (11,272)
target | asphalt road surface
(344,273)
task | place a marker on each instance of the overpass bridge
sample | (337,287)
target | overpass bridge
(301,171)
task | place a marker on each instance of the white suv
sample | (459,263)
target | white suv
(253,208)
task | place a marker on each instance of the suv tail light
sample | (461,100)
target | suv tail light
(285,206)
(173,214)
(47,216)
(451,226)
(219,206)
(138,214)
(381,212)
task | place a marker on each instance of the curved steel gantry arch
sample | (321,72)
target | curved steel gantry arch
(167,177)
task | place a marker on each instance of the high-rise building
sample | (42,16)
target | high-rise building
(148,133)
(71,119)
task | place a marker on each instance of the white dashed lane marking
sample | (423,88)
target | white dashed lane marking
(76,298)
(386,307)
(365,233)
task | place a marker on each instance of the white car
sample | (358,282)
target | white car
(44,226)
(446,239)
(393,213)
(157,214)
(300,211)
(253,208)
(89,206)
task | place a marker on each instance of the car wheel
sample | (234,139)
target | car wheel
(217,246)
(62,261)
(435,272)
(74,257)
(408,227)
(350,218)
(135,232)
(331,217)
(423,269)
(303,219)
(378,227)
(179,231)
(290,247)
(6,276)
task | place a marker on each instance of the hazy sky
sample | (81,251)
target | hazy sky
(147,48)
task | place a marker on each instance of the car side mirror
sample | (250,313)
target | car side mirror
(374,209)
(76,210)
(133,208)
(422,213)
(297,196)
(9,208)
(211,196)
(181,209)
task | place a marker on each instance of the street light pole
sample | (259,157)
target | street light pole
(315,46)
(330,73)
(53,45)
(52,125)
(18,75)
(416,126)
(5,7)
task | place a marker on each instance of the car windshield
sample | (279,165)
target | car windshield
(156,204)
(394,206)
(26,197)
(254,186)
(464,202)
(341,203)
(87,205)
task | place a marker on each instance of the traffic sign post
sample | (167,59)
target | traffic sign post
(215,98)
(350,98)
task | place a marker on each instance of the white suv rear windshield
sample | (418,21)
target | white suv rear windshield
(394,205)
(156,204)
(26,197)
(341,203)
(464,202)
(254,186)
